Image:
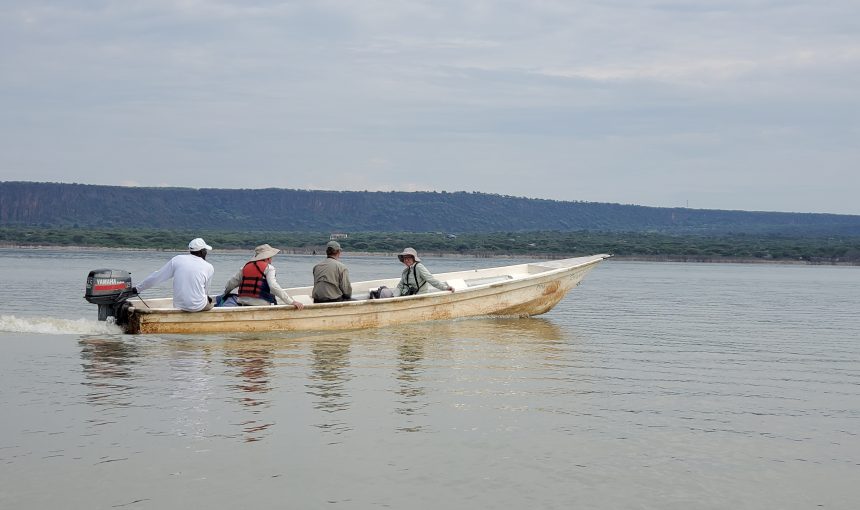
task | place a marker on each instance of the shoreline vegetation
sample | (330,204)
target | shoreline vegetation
(634,246)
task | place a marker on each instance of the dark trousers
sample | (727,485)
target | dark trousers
(336,300)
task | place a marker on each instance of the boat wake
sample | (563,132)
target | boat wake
(54,326)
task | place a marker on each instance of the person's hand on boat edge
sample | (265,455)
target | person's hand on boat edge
(298,305)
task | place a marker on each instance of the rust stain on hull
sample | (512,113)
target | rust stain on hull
(540,305)
(550,288)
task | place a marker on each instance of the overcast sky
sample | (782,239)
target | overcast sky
(731,104)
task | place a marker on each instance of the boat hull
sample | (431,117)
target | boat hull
(521,290)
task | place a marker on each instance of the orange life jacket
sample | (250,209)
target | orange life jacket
(254,282)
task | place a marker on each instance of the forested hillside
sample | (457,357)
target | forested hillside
(90,206)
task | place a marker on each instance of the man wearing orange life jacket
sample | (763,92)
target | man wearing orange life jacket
(257,282)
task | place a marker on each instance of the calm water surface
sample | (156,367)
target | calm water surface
(664,386)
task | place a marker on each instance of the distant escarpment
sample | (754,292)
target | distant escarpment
(92,206)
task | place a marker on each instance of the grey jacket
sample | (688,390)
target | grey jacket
(331,280)
(425,280)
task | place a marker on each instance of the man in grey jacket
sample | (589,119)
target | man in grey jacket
(331,277)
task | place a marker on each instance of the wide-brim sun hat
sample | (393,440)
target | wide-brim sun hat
(409,251)
(263,252)
(198,244)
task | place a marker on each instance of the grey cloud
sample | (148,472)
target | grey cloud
(637,102)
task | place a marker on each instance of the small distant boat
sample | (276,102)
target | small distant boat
(519,290)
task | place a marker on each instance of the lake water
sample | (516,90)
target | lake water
(651,386)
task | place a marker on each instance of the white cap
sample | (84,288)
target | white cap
(198,244)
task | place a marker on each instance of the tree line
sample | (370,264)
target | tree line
(548,244)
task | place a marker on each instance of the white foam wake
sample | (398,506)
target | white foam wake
(54,326)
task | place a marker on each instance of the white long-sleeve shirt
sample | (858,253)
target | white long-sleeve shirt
(191,277)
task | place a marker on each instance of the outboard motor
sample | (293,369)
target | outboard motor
(108,288)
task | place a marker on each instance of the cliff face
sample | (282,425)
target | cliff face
(59,205)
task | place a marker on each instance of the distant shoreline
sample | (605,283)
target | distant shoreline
(728,260)
(484,255)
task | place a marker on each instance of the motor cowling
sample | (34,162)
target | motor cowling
(109,289)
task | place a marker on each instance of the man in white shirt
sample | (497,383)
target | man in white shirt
(191,278)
